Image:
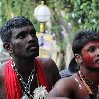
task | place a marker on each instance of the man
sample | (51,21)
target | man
(24,76)
(85,83)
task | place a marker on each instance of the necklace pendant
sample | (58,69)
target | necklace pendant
(25,97)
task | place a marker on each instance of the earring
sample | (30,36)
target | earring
(11,51)
(79,61)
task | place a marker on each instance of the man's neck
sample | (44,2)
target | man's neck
(24,64)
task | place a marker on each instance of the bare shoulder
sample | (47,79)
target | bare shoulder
(2,81)
(50,69)
(3,65)
(65,83)
(48,63)
(2,69)
(63,88)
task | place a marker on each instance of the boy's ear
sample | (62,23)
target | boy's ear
(78,58)
(6,46)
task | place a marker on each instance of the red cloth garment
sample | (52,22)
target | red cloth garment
(13,86)
(40,74)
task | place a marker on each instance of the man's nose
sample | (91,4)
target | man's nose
(30,38)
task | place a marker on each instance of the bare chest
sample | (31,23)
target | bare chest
(81,92)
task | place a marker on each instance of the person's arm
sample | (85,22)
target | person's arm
(58,98)
(62,89)
(2,82)
(3,65)
(51,70)
(54,70)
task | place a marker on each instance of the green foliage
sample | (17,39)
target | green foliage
(0,12)
(12,8)
(85,14)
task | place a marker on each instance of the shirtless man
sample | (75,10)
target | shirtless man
(24,76)
(84,84)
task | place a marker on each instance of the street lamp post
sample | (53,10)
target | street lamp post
(42,14)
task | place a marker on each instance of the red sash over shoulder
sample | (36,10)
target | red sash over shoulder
(13,86)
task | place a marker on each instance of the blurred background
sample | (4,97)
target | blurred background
(66,18)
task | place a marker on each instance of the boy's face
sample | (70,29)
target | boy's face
(90,54)
(24,42)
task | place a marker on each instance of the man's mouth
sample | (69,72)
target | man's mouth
(31,47)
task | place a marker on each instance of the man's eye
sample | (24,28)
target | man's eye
(21,36)
(33,34)
(92,49)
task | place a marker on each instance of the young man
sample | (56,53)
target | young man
(24,76)
(84,84)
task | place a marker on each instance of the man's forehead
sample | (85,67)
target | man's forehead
(24,28)
(27,29)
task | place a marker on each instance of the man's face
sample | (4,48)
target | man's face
(24,42)
(90,55)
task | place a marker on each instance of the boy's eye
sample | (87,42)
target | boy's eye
(92,49)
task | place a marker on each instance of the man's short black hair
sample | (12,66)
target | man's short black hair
(14,23)
(82,38)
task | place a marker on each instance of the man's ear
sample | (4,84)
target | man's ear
(6,46)
(78,58)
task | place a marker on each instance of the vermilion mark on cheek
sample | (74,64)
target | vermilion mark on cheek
(88,59)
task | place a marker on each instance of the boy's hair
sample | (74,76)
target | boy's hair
(14,23)
(82,38)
